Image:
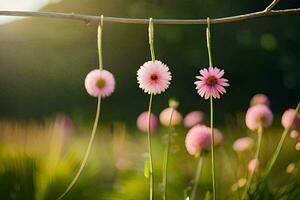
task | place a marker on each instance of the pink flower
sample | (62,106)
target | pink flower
(297,147)
(142,122)
(258,115)
(199,138)
(294,134)
(193,118)
(165,116)
(243,144)
(154,77)
(253,165)
(100,83)
(260,99)
(290,119)
(211,83)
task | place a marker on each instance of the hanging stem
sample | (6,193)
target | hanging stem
(151,43)
(87,153)
(166,158)
(94,130)
(208,41)
(279,146)
(197,176)
(150,149)
(99,37)
(248,184)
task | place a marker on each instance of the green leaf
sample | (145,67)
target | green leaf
(207,196)
(147,168)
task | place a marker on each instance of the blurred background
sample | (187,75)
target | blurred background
(46,114)
(43,62)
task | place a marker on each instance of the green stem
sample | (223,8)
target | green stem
(213,171)
(99,42)
(279,147)
(197,176)
(151,39)
(208,42)
(150,149)
(166,158)
(259,141)
(87,153)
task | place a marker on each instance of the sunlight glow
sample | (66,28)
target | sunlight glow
(22,5)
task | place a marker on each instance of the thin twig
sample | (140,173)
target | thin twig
(272,4)
(90,18)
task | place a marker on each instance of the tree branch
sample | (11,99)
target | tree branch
(89,18)
(272,4)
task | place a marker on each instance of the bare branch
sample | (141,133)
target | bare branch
(272,4)
(89,18)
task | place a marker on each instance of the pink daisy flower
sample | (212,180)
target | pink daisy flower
(199,138)
(294,134)
(100,83)
(211,83)
(260,99)
(142,122)
(165,115)
(243,144)
(193,118)
(154,77)
(290,119)
(258,115)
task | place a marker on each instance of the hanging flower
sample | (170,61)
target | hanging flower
(199,138)
(259,115)
(100,83)
(211,83)
(142,122)
(154,77)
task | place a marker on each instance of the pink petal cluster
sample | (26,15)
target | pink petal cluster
(243,144)
(142,122)
(259,115)
(100,83)
(294,134)
(290,119)
(211,83)
(260,99)
(165,117)
(193,118)
(154,77)
(198,138)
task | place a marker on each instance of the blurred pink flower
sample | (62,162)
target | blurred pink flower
(193,118)
(258,115)
(100,83)
(165,116)
(211,83)
(154,77)
(243,144)
(142,122)
(290,119)
(294,134)
(260,99)
(253,165)
(198,138)
(297,147)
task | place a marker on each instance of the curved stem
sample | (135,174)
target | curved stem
(213,171)
(279,147)
(166,158)
(87,153)
(197,176)
(150,149)
(248,184)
